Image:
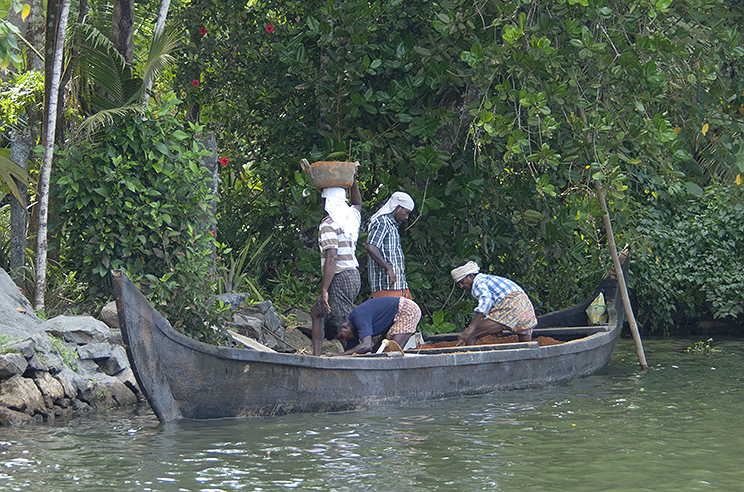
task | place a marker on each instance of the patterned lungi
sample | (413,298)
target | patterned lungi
(407,318)
(515,311)
(342,293)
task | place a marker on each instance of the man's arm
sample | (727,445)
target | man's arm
(466,335)
(364,346)
(375,253)
(329,270)
(355,197)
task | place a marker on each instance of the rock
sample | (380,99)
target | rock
(44,348)
(127,377)
(331,347)
(108,393)
(297,341)
(62,366)
(298,317)
(234,299)
(71,381)
(50,387)
(248,325)
(22,395)
(78,330)
(11,365)
(10,418)
(36,364)
(272,322)
(264,306)
(110,358)
(17,317)
(110,315)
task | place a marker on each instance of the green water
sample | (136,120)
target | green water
(676,427)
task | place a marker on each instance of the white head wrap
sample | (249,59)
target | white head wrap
(343,214)
(461,272)
(398,198)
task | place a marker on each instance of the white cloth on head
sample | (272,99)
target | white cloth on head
(398,198)
(463,271)
(346,216)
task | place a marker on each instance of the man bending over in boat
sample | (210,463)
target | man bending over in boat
(502,305)
(394,317)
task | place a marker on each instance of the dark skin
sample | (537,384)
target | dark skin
(347,332)
(329,270)
(481,326)
(400,215)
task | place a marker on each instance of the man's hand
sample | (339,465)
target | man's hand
(324,302)
(465,338)
(391,276)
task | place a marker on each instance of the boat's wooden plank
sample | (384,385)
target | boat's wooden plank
(570,330)
(477,348)
(249,343)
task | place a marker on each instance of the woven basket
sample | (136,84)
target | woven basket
(326,174)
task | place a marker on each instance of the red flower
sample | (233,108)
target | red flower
(224,161)
(203,30)
(269,28)
(195,83)
(214,233)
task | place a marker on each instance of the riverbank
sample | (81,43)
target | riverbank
(58,367)
(70,365)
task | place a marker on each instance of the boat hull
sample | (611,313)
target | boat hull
(186,379)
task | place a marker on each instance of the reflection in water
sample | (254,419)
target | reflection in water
(675,427)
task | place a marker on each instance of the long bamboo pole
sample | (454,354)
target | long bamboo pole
(620,276)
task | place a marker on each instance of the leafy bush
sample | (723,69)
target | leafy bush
(136,199)
(690,263)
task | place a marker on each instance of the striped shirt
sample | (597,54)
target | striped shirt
(330,236)
(383,233)
(489,289)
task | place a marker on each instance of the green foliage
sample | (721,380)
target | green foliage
(438,324)
(10,34)
(689,263)
(137,200)
(702,347)
(5,340)
(236,273)
(496,117)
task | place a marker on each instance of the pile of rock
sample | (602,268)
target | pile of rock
(262,323)
(60,366)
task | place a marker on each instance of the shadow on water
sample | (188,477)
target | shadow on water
(671,428)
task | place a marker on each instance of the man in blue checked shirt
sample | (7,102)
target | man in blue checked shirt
(502,305)
(387,269)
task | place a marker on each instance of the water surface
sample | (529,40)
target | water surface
(676,427)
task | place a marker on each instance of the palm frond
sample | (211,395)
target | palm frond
(110,86)
(92,124)
(11,174)
(160,56)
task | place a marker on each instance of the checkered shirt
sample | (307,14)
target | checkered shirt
(383,233)
(489,289)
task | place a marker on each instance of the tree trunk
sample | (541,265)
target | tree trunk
(122,28)
(46,168)
(159,27)
(210,164)
(20,146)
(22,141)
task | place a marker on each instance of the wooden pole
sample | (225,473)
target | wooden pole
(620,276)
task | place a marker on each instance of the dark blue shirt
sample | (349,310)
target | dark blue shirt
(373,317)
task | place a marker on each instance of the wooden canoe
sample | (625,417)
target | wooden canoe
(186,379)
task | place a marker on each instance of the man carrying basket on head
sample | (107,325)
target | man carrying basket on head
(337,239)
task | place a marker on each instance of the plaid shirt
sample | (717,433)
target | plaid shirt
(383,233)
(489,289)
